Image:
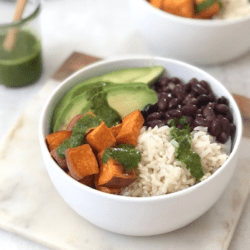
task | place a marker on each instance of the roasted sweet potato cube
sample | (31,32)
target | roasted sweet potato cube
(209,12)
(53,140)
(61,162)
(131,126)
(88,180)
(156,3)
(100,138)
(76,118)
(109,190)
(81,161)
(113,175)
(116,129)
(184,8)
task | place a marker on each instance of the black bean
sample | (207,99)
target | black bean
(225,125)
(179,91)
(187,98)
(232,130)
(163,104)
(223,136)
(163,81)
(206,86)
(193,81)
(190,120)
(150,108)
(198,89)
(215,127)
(229,116)
(173,103)
(187,87)
(175,113)
(167,88)
(220,116)
(175,80)
(167,115)
(154,116)
(221,108)
(212,97)
(203,100)
(201,122)
(154,123)
(198,111)
(189,109)
(223,100)
(208,111)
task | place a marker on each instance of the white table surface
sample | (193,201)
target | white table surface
(102,28)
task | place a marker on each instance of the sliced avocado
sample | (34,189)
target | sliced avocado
(146,75)
(123,98)
(81,104)
(129,99)
(78,106)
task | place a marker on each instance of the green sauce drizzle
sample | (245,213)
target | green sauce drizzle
(125,154)
(100,107)
(183,150)
(206,4)
(79,131)
(72,142)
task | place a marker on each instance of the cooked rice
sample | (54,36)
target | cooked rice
(159,170)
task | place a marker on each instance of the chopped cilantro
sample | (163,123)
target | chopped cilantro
(183,149)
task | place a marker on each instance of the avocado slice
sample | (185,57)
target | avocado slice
(128,99)
(146,75)
(123,98)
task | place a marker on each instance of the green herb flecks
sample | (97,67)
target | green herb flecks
(184,154)
(125,154)
(206,4)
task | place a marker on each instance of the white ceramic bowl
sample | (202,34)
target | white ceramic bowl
(132,215)
(191,40)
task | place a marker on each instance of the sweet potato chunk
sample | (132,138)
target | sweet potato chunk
(131,126)
(53,140)
(209,12)
(81,161)
(61,162)
(112,174)
(100,138)
(116,129)
(109,190)
(76,118)
(184,8)
(156,3)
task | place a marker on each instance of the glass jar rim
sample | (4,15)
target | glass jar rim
(24,20)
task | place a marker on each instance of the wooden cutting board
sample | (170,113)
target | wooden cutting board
(30,205)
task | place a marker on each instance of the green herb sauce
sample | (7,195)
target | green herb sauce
(79,131)
(23,64)
(206,4)
(72,142)
(183,151)
(125,154)
(85,123)
(100,107)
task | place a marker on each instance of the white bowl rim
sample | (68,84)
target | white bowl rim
(192,21)
(129,198)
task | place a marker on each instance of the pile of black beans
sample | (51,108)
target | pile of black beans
(196,101)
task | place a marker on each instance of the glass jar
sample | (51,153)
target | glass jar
(20,44)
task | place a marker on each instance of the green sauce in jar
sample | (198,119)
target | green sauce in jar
(23,64)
